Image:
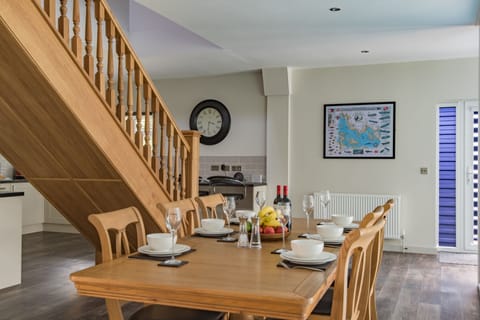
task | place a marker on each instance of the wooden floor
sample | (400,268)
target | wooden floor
(410,286)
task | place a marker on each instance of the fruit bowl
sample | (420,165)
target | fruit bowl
(273,236)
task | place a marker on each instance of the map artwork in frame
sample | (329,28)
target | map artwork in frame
(359,130)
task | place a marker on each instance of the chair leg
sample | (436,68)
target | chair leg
(372,307)
(114,309)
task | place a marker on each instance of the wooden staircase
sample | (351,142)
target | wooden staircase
(72,122)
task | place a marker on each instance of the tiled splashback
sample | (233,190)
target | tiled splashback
(251,166)
(6,169)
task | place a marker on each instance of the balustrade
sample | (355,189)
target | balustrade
(138,108)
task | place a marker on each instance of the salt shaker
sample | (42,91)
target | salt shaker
(243,233)
(255,241)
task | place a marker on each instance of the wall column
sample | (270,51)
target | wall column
(276,88)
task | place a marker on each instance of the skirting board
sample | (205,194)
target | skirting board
(31,228)
(397,247)
(53,227)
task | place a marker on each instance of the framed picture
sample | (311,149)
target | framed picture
(359,130)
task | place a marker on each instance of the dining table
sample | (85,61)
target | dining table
(218,276)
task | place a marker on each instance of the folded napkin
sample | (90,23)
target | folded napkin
(143,256)
(315,267)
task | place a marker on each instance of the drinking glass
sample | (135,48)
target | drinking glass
(229,210)
(325,200)
(260,199)
(308,207)
(173,220)
(283,216)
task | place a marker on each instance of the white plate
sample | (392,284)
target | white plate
(179,249)
(326,240)
(323,257)
(203,232)
(351,226)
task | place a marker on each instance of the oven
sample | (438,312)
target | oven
(229,186)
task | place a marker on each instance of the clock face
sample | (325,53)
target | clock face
(209,122)
(212,119)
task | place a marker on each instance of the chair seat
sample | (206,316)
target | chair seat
(160,312)
(324,306)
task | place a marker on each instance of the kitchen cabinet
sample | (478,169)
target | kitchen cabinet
(10,238)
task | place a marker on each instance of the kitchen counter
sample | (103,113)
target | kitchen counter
(247,184)
(7,194)
(13,181)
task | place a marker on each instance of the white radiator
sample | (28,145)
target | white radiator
(358,205)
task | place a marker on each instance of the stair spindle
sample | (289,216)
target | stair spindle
(63,22)
(155,122)
(120,88)
(110,96)
(76,39)
(177,167)
(147,149)
(129,65)
(88,58)
(49,7)
(99,76)
(170,172)
(163,134)
(183,160)
(138,84)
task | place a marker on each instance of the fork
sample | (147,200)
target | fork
(286,266)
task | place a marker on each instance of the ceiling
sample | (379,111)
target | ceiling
(191,38)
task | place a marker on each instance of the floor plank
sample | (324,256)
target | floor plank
(409,286)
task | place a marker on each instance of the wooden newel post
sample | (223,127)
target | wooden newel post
(193,162)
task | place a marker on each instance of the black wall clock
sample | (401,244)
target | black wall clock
(212,119)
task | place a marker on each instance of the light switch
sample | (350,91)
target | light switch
(423,170)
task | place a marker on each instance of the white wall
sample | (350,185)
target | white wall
(241,93)
(416,87)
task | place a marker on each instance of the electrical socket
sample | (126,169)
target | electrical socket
(224,167)
(236,168)
(423,170)
(214,168)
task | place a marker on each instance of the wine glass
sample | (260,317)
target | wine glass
(283,216)
(260,199)
(229,210)
(308,207)
(173,220)
(325,200)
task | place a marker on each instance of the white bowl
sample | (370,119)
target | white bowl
(245,213)
(160,241)
(329,231)
(342,221)
(213,224)
(305,248)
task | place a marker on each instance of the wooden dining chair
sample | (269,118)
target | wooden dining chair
(350,292)
(116,223)
(208,204)
(370,312)
(190,215)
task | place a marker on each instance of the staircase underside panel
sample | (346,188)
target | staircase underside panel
(56,129)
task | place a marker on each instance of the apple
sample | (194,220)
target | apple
(268,230)
(279,229)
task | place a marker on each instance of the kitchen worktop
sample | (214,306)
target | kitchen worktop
(13,180)
(8,194)
(247,184)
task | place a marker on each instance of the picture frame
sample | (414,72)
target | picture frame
(363,130)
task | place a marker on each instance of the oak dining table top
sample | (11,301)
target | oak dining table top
(218,276)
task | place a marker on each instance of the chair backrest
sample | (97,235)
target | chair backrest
(116,223)
(372,217)
(351,291)
(190,215)
(208,204)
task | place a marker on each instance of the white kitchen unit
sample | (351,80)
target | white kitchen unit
(11,238)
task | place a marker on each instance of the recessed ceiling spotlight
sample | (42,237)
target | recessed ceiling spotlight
(334,9)
(365,51)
